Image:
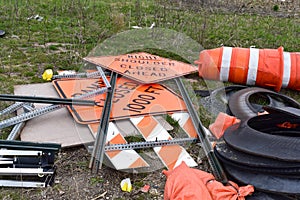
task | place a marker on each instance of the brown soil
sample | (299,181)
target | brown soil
(74,180)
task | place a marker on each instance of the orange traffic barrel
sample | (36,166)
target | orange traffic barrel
(271,68)
(292,62)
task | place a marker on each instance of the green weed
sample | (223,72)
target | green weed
(96,180)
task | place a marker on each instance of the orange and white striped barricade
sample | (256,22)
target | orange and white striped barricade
(120,159)
(185,122)
(152,130)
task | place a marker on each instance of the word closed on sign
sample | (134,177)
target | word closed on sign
(143,67)
(130,99)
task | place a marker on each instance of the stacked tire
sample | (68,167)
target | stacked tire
(263,150)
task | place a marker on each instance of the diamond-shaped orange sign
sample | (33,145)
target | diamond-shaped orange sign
(130,99)
(143,67)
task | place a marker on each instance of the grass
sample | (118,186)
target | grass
(174,123)
(96,180)
(76,27)
(71,29)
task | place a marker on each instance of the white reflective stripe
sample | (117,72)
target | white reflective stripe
(253,66)
(225,65)
(286,69)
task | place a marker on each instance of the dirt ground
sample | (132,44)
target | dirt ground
(275,8)
(74,180)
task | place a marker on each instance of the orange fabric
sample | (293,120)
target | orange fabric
(184,183)
(222,122)
(230,192)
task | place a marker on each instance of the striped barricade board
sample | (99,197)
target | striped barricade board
(120,159)
(151,128)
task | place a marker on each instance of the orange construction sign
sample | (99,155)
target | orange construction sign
(130,99)
(143,67)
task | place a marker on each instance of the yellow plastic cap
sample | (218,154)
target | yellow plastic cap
(126,185)
(48,74)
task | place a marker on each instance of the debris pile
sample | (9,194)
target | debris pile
(258,146)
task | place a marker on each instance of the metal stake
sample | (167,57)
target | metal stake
(15,132)
(47,100)
(12,108)
(149,144)
(98,150)
(44,110)
(213,161)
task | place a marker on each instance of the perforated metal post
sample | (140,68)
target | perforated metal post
(213,161)
(98,149)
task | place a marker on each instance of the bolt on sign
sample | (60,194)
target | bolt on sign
(130,99)
(143,67)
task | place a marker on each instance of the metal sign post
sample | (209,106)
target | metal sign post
(206,145)
(98,150)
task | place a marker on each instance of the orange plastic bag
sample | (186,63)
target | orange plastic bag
(184,183)
(222,122)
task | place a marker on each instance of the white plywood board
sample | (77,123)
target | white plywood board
(57,126)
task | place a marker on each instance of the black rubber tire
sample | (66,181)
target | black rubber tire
(283,110)
(218,98)
(273,124)
(257,195)
(225,152)
(240,106)
(280,172)
(247,139)
(264,182)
